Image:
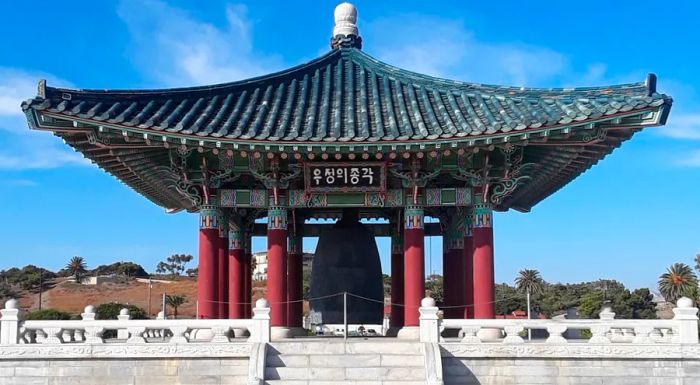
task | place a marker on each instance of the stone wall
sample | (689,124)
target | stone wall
(588,371)
(194,371)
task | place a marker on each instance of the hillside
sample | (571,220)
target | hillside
(71,297)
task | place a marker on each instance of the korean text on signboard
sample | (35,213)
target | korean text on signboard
(345,176)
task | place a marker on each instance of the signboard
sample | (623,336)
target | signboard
(345,176)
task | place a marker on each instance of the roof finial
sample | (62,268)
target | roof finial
(345,33)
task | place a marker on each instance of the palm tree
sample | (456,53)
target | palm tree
(77,268)
(175,301)
(529,282)
(678,281)
(697,262)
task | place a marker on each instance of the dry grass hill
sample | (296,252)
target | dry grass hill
(71,297)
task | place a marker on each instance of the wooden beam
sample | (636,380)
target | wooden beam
(379,230)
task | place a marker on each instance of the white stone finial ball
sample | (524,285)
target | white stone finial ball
(262,304)
(124,311)
(11,304)
(161,315)
(427,302)
(345,16)
(684,302)
(89,309)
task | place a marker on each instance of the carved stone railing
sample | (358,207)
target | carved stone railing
(15,331)
(682,329)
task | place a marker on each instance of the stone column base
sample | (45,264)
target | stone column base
(409,333)
(280,332)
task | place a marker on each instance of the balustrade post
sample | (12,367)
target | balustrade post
(122,332)
(261,322)
(428,321)
(513,334)
(555,334)
(9,323)
(687,317)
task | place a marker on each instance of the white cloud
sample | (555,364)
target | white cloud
(22,148)
(446,48)
(19,182)
(174,49)
(691,160)
(683,126)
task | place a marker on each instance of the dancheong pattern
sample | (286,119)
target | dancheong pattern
(208,217)
(483,214)
(277,218)
(413,218)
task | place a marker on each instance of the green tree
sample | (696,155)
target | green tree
(175,264)
(386,280)
(591,305)
(175,301)
(641,302)
(530,282)
(678,281)
(77,268)
(434,285)
(128,269)
(508,299)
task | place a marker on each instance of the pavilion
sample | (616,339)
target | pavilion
(346,131)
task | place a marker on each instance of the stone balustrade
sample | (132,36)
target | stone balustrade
(15,331)
(682,329)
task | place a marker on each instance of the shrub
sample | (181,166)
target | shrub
(111,311)
(47,314)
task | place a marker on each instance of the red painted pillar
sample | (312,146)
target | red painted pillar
(222,269)
(453,267)
(414,263)
(468,253)
(236,270)
(248,277)
(483,262)
(397,272)
(277,264)
(295,277)
(208,254)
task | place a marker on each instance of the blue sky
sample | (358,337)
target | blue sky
(627,218)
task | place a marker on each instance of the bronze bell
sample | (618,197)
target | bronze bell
(347,260)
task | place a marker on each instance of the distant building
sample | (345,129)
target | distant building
(96,281)
(260,263)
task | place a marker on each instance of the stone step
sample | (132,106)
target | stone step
(344,360)
(349,382)
(332,347)
(346,374)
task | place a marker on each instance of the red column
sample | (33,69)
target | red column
(483,262)
(453,267)
(397,272)
(414,263)
(295,273)
(208,254)
(468,253)
(222,269)
(277,264)
(236,271)
(248,277)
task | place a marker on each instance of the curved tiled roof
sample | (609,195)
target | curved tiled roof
(345,96)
